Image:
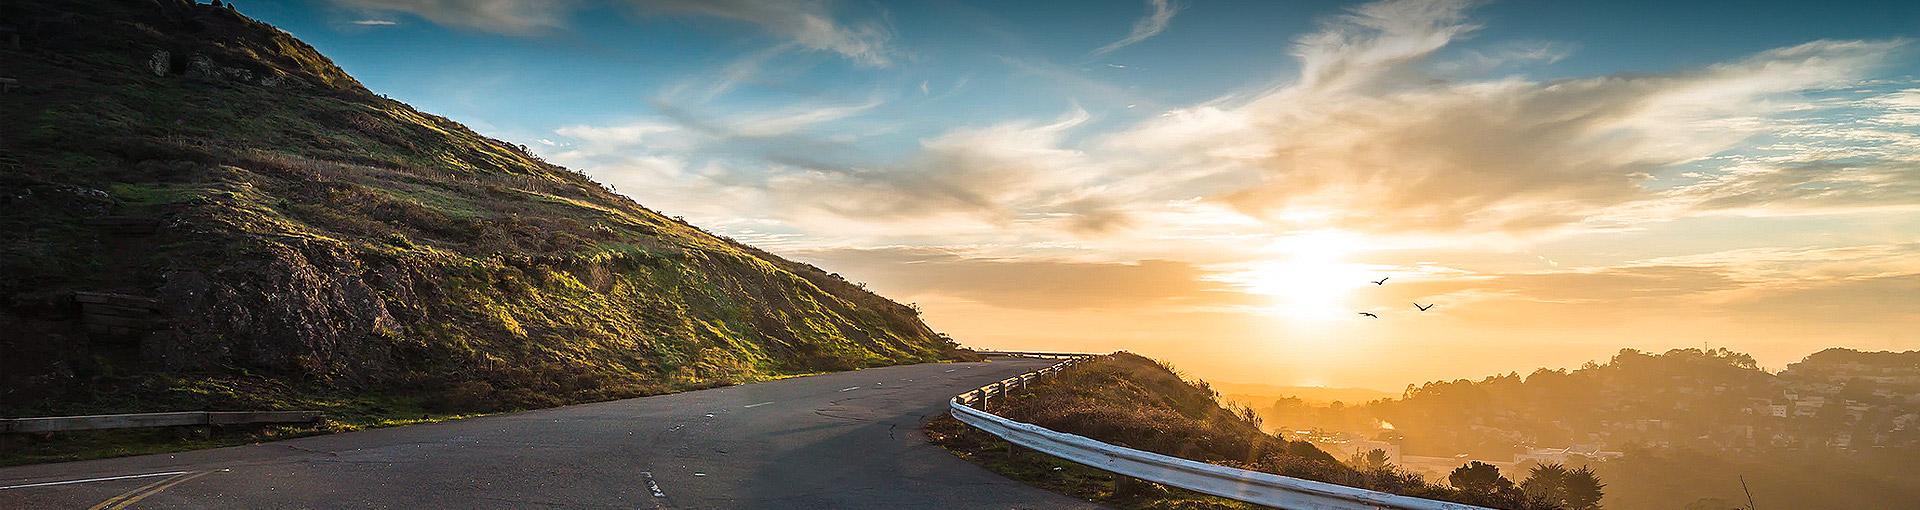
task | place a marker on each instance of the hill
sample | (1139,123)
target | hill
(1255,395)
(197,210)
(1670,430)
(1136,402)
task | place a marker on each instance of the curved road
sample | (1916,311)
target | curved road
(842,440)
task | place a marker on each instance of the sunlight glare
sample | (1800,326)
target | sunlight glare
(1310,277)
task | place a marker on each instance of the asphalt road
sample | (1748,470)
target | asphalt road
(843,440)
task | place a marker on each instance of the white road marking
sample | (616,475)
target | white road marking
(952,369)
(849,389)
(89,480)
(697,473)
(750,406)
(651,485)
(709,415)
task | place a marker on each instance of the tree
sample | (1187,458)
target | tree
(1370,460)
(1479,478)
(1548,482)
(1583,489)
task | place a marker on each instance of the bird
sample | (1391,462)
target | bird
(1382,281)
(1370,314)
(1423,308)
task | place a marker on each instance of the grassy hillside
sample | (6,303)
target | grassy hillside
(1132,401)
(295,240)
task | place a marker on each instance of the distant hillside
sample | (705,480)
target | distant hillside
(1254,395)
(198,210)
(1669,430)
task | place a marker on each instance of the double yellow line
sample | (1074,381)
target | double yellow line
(128,498)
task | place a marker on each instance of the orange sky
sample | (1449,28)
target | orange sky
(1768,203)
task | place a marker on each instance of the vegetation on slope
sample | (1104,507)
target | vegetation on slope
(307,243)
(1688,425)
(1136,402)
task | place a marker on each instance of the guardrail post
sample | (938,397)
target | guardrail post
(1000,388)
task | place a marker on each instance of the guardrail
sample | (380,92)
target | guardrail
(1029,354)
(983,395)
(1236,484)
(125,421)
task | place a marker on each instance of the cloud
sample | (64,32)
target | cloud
(1035,284)
(1387,129)
(1149,26)
(374,22)
(808,23)
(1861,286)
(991,177)
(990,173)
(1368,138)
(515,17)
(1814,187)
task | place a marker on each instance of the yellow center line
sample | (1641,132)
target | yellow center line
(123,495)
(149,490)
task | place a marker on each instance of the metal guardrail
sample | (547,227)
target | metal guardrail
(983,395)
(125,421)
(1236,484)
(1029,354)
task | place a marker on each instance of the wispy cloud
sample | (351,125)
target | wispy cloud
(516,17)
(1155,22)
(808,23)
(374,22)
(1368,139)
(1040,284)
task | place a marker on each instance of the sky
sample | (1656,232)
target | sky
(1219,184)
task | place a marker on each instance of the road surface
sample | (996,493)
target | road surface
(842,440)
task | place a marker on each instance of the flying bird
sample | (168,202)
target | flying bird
(1423,308)
(1370,314)
(1382,281)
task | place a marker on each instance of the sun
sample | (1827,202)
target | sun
(1311,276)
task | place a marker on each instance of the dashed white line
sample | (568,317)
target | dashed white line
(849,389)
(89,480)
(750,406)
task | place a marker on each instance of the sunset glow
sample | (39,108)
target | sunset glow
(1310,277)
(1219,186)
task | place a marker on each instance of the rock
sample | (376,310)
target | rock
(199,66)
(160,63)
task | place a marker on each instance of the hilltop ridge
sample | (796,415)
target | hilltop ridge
(197,210)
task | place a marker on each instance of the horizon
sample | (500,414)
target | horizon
(1217,185)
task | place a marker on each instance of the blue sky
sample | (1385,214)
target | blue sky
(607,60)
(1214,182)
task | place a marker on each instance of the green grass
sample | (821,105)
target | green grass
(348,247)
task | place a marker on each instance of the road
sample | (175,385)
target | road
(842,440)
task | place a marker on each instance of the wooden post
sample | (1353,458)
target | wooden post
(1001,388)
